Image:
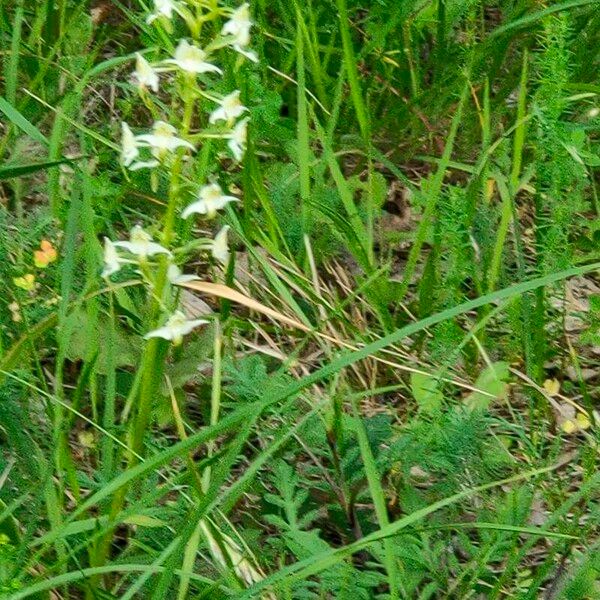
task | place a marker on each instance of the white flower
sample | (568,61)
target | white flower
(230,108)
(238,27)
(192,59)
(219,248)
(163,139)
(112,260)
(176,277)
(175,328)
(129,145)
(211,199)
(145,75)
(140,243)
(237,139)
(163,8)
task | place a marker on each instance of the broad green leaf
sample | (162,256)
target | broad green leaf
(425,390)
(491,380)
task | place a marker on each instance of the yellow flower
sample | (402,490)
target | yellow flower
(580,423)
(27,282)
(583,421)
(552,386)
(45,255)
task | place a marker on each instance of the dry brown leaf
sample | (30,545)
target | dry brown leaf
(223,291)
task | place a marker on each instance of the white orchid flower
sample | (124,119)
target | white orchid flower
(163,8)
(191,59)
(237,139)
(176,277)
(163,139)
(238,27)
(175,328)
(210,200)
(219,248)
(230,108)
(145,74)
(129,145)
(141,244)
(112,260)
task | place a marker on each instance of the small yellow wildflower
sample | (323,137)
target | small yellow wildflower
(552,386)
(27,282)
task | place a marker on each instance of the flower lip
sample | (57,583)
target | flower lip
(211,199)
(176,327)
(192,59)
(176,277)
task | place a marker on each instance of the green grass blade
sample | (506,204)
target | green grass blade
(17,119)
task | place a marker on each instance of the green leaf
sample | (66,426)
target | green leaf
(491,380)
(425,390)
(126,347)
(12,170)
(16,118)
(144,521)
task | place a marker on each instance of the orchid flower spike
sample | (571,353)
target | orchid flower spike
(191,59)
(210,199)
(230,108)
(145,75)
(175,328)
(163,139)
(237,139)
(140,243)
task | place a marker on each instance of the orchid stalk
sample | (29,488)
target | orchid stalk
(167,148)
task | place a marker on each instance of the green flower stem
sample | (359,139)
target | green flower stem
(215,397)
(156,349)
(153,361)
